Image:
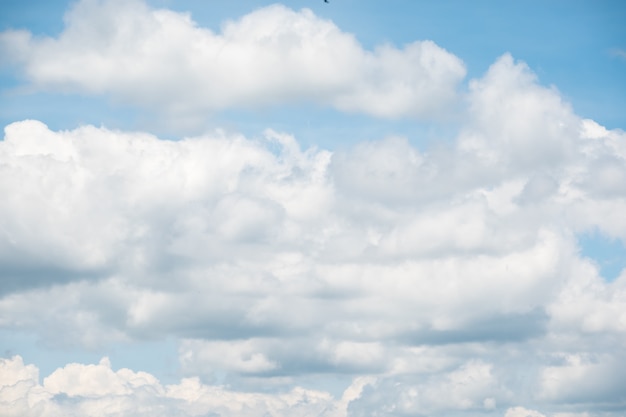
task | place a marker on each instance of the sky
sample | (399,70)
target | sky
(341,209)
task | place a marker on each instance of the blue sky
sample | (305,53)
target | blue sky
(348,209)
(574,45)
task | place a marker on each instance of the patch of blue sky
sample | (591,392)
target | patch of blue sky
(157,357)
(40,17)
(65,111)
(325,128)
(609,254)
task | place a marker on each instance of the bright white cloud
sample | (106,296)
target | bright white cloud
(162,60)
(522,412)
(472,386)
(516,123)
(425,276)
(97,390)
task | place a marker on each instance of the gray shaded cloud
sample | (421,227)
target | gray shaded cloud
(22,277)
(503,328)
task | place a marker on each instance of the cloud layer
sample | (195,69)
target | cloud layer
(273,264)
(445,280)
(162,60)
(97,390)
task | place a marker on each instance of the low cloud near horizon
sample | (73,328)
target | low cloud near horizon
(444,280)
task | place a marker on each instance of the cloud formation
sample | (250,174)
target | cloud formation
(420,278)
(275,264)
(163,60)
(97,390)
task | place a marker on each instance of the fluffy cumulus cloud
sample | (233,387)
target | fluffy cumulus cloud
(97,390)
(163,60)
(429,281)
(273,263)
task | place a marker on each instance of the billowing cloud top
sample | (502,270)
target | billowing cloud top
(423,277)
(163,60)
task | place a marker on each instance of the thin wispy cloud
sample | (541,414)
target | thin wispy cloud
(619,53)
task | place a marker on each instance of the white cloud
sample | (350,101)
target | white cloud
(98,391)
(163,60)
(522,412)
(515,122)
(423,275)
(585,378)
(599,308)
(471,387)
(77,380)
